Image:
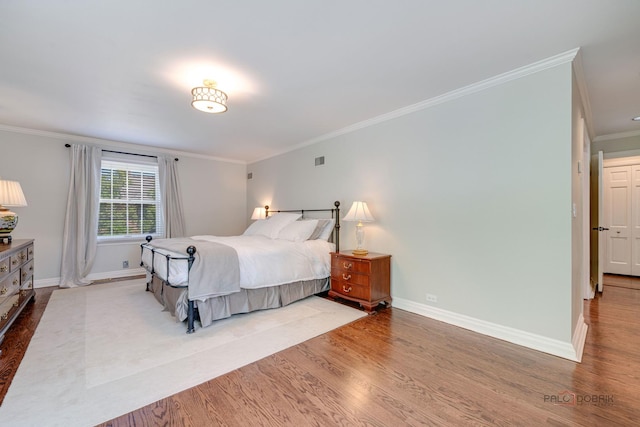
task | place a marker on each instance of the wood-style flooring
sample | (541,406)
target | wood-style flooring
(395,368)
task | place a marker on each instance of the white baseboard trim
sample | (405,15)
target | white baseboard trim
(118,274)
(580,337)
(566,350)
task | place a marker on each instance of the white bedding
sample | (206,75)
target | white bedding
(263,261)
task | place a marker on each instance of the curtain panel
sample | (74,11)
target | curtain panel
(79,241)
(172,210)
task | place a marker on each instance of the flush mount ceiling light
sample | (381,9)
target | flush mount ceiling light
(209,99)
(636,119)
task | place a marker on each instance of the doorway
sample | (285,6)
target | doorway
(621,215)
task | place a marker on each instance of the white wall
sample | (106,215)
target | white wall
(579,235)
(472,198)
(214,197)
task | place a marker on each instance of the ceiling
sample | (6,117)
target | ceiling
(294,70)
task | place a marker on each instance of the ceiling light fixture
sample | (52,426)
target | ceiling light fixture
(636,119)
(209,99)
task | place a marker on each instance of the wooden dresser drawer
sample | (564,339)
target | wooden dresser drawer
(26,285)
(27,271)
(18,258)
(7,307)
(5,265)
(9,286)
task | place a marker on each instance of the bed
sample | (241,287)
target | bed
(276,261)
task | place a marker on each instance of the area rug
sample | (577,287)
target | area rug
(105,350)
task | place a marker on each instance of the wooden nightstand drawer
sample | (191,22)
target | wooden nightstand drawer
(353,290)
(350,264)
(358,279)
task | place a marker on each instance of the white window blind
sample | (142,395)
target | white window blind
(129,201)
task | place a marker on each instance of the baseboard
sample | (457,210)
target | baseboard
(580,337)
(107,275)
(571,351)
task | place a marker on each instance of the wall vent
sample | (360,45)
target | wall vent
(320,161)
(250,175)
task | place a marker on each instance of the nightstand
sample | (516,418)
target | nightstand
(365,279)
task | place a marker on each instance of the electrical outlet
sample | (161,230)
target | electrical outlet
(432,298)
(125,264)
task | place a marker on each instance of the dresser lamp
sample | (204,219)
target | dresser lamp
(10,195)
(359,212)
(259,213)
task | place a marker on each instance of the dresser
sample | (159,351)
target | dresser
(365,279)
(16,281)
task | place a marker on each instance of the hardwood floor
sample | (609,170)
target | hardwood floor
(396,368)
(17,338)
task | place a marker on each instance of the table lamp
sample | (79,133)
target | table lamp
(359,212)
(10,195)
(259,213)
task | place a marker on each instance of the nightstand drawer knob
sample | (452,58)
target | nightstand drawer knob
(347,265)
(4,291)
(345,289)
(346,276)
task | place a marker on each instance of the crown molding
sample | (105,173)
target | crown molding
(500,79)
(141,149)
(612,136)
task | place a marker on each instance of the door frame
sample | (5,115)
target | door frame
(621,158)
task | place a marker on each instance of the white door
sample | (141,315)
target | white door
(617,217)
(635,220)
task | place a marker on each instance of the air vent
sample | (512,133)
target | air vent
(320,161)
(250,175)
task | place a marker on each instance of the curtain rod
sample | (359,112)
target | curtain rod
(123,152)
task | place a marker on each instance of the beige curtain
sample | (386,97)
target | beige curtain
(172,211)
(79,241)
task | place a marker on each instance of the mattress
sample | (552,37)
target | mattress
(263,262)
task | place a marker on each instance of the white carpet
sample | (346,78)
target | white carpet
(105,350)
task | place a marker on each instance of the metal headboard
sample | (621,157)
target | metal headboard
(335,214)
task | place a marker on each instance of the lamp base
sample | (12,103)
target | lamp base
(8,222)
(360,252)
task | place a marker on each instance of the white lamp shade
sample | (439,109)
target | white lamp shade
(11,194)
(359,212)
(259,213)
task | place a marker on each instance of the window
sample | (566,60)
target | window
(129,201)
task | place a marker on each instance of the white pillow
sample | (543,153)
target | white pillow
(327,230)
(258,228)
(271,226)
(298,231)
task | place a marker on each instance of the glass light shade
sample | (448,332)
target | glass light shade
(209,99)
(259,213)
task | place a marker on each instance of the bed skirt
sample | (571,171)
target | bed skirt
(175,300)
